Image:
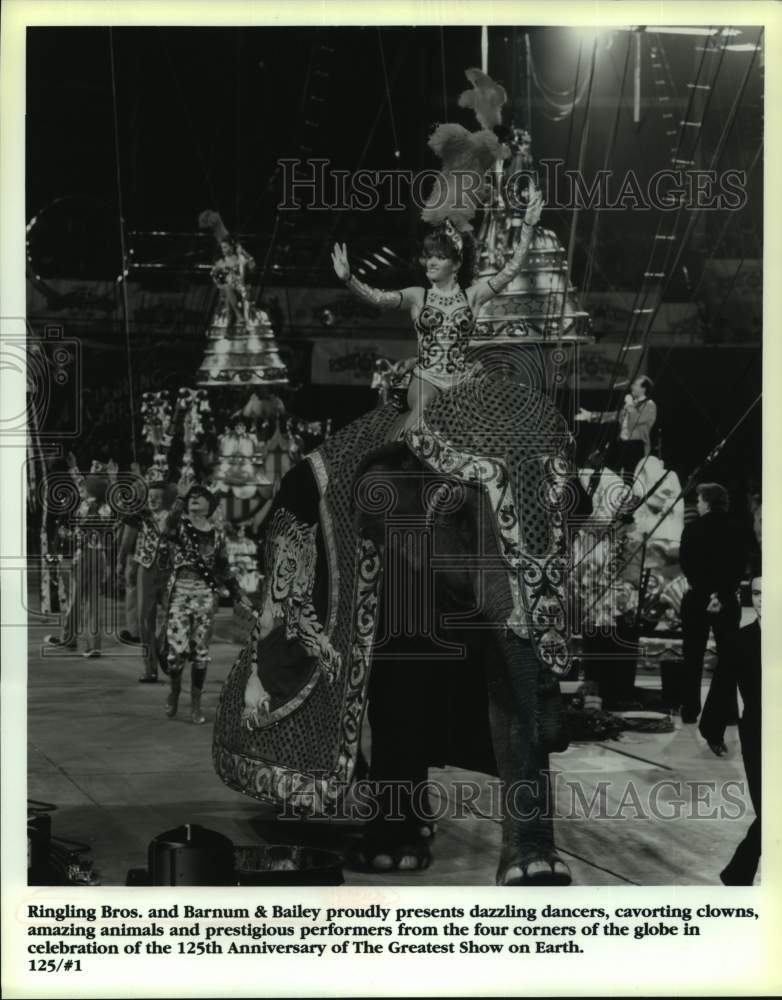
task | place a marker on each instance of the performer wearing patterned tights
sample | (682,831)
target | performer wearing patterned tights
(443,315)
(199,570)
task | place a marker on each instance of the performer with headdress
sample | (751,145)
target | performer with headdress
(444,314)
(199,571)
(92,526)
(229,271)
(143,556)
(229,274)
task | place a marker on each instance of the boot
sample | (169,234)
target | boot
(196,715)
(172,702)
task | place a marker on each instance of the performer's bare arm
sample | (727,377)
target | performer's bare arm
(407,299)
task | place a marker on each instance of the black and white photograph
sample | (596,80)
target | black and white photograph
(393,459)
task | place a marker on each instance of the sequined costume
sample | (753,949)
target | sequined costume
(151,558)
(199,571)
(445,323)
(228,272)
(93,526)
(443,327)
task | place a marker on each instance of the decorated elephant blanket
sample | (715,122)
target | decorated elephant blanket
(290,713)
(289,717)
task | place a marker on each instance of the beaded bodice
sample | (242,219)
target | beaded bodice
(444,327)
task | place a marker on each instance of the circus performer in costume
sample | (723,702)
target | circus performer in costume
(199,570)
(144,553)
(92,530)
(229,273)
(444,314)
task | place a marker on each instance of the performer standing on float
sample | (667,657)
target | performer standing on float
(443,315)
(229,274)
(199,571)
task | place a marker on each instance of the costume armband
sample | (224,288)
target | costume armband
(504,277)
(383,300)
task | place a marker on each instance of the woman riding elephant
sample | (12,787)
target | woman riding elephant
(444,314)
(346,522)
(479,482)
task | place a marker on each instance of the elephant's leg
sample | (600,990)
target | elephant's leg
(528,855)
(399,836)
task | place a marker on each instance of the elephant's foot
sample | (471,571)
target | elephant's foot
(389,848)
(532,869)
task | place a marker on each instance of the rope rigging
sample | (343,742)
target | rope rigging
(661,279)
(123,279)
(591,253)
(651,271)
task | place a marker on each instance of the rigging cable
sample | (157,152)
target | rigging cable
(574,219)
(592,250)
(550,301)
(388,92)
(442,73)
(124,275)
(716,156)
(643,293)
(326,247)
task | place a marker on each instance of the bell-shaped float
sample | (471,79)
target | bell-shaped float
(242,354)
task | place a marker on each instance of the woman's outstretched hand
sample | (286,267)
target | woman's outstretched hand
(339,258)
(534,209)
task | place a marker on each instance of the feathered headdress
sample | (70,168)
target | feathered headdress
(460,188)
(211,220)
(486,98)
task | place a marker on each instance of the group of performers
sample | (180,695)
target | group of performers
(173,561)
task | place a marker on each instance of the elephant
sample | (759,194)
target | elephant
(475,523)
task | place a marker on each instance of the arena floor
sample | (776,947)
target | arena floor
(120,772)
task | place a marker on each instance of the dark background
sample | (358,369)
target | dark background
(204,114)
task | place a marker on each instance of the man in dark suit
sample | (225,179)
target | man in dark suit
(741,670)
(711,555)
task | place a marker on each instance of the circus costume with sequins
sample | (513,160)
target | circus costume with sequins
(443,327)
(199,571)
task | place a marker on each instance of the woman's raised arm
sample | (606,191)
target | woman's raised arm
(405,298)
(486,288)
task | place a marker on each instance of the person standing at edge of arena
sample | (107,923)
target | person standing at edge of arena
(711,556)
(742,670)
